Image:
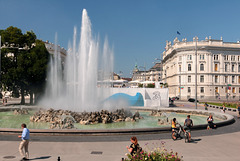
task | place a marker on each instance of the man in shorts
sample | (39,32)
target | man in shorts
(188,124)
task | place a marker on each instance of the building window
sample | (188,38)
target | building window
(180,68)
(202,89)
(226,89)
(226,67)
(201,67)
(216,89)
(233,68)
(215,57)
(180,58)
(233,90)
(239,79)
(189,90)
(225,57)
(216,78)
(189,79)
(238,58)
(202,78)
(189,67)
(238,67)
(232,58)
(215,67)
(226,79)
(201,57)
(233,79)
(189,57)
(179,79)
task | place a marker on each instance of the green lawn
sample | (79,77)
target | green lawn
(231,105)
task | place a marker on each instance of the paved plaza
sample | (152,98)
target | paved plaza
(220,144)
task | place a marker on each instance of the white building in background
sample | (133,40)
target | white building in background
(218,69)
(153,75)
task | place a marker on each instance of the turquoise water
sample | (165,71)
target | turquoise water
(9,120)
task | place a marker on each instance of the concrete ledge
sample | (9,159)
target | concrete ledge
(229,119)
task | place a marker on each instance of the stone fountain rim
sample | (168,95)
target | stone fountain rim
(230,119)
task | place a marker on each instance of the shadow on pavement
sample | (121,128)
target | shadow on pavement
(195,141)
(38,158)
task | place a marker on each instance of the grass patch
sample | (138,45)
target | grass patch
(229,104)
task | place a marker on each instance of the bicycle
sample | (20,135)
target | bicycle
(186,134)
(177,134)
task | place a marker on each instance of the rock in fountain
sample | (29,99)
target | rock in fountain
(20,111)
(158,113)
(164,121)
(65,119)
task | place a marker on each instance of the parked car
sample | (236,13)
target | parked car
(192,100)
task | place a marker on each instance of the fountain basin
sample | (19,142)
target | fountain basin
(218,117)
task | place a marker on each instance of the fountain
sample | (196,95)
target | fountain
(86,66)
(81,83)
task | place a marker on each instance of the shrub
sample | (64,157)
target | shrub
(151,86)
(140,85)
(155,154)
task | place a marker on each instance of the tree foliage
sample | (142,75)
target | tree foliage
(24,63)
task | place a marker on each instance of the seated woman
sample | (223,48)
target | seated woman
(210,122)
(134,147)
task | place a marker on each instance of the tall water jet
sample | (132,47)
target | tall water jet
(86,67)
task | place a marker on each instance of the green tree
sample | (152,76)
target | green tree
(24,63)
(36,61)
(12,39)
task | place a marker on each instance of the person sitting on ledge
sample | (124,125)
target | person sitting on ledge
(210,123)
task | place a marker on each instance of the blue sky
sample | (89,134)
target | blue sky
(137,29)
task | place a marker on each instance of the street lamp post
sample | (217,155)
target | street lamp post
(196,39)
(159,74)
(0,62)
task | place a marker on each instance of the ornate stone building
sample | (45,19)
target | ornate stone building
(218,69)
(51,49)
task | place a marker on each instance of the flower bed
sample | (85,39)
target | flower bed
(158,153)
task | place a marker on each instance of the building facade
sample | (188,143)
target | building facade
(153,74)
(217,64)
(52,47)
